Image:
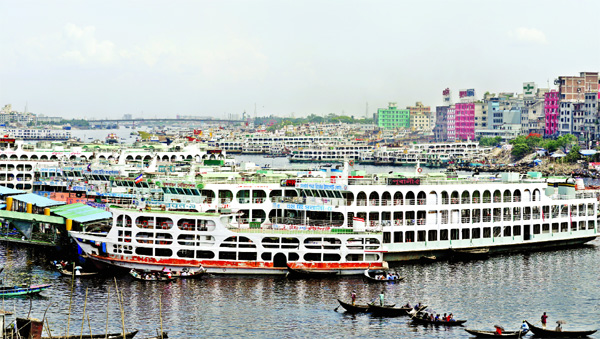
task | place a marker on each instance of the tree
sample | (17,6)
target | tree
(573,154)
(520,150)
(487,142)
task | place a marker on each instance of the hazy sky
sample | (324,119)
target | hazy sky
(214,58)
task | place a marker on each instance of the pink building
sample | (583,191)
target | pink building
(465,121)
(551,112)
(451,129)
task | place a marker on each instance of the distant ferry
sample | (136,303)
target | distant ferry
(37,134)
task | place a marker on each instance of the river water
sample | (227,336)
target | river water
(501,290)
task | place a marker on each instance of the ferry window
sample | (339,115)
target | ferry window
(195,192)
(187,191)
(227,255)
(554,227)
(331,257)
(312,257)
(292,256)
(487,232)
(184,240)
(432,236)
(185,253)
(245,243)
(410,236)
(205,254)
(386,237)
(163,252)
(536,229)
(590,210)
(591,224)
(290,243)
(443,235)
(266,256)
(353,257)
(338,194)
(476,233)
(581,226)
(143,251)
(497,231)
(517,230)
(507,231)
(180,191)
(564,227)
(330,194)
(420,236)
(270,243)
(398,237)
(372,257)
(466,233)
(545,228)
(251,256)
(454,234)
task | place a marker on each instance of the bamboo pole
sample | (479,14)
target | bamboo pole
(160,316)
(120,299)
(90,326)
(107,301)
(84,307)
(70,300)
(48,328)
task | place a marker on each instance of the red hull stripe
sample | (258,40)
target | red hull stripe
(239,264)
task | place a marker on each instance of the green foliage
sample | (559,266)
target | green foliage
(573,154)
(495,141)
(330,118)
(520,150)
(551,145)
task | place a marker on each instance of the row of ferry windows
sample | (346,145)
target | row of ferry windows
(485,232)
(244,242)
(243,256)
(166,223)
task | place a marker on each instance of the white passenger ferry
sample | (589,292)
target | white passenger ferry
(155,239)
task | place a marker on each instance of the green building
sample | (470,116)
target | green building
(392,117)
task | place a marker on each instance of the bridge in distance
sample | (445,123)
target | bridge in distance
(116,121)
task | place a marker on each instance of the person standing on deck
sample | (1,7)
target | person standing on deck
(353,297)
(381,298)
(544,319)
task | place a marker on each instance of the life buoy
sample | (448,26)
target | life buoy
(419,169)
(376,178)
(351,162)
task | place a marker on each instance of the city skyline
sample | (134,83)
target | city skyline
(70,59)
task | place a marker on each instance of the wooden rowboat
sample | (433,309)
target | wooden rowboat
(546,333)
(389,311)
(128,335)
(140,277)
(438,323)
(9,291)
(357,308)
(310,273)
(68,273)
(493,334)
(369,276)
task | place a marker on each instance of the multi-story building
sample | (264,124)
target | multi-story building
(451,123)
(480,116)
(393,118)
(420,117)
(535,119)
(440,130)
(551,113)
(465,120)
(573,88)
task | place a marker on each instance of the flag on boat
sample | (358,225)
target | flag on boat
(138,179)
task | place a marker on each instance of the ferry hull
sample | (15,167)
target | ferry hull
(228,267)
(404,256)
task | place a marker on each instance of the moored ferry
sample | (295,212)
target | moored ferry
(153,239)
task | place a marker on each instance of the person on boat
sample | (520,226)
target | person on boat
(437,317)
(353,297)
(498,330)
(417,306)
(390,276)
(445,317)
(558,328)
(407,305)
(77,272)
(451,317)
(524,328)
(544,319)
(381,298)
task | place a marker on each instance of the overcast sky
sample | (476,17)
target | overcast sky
(214,58)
